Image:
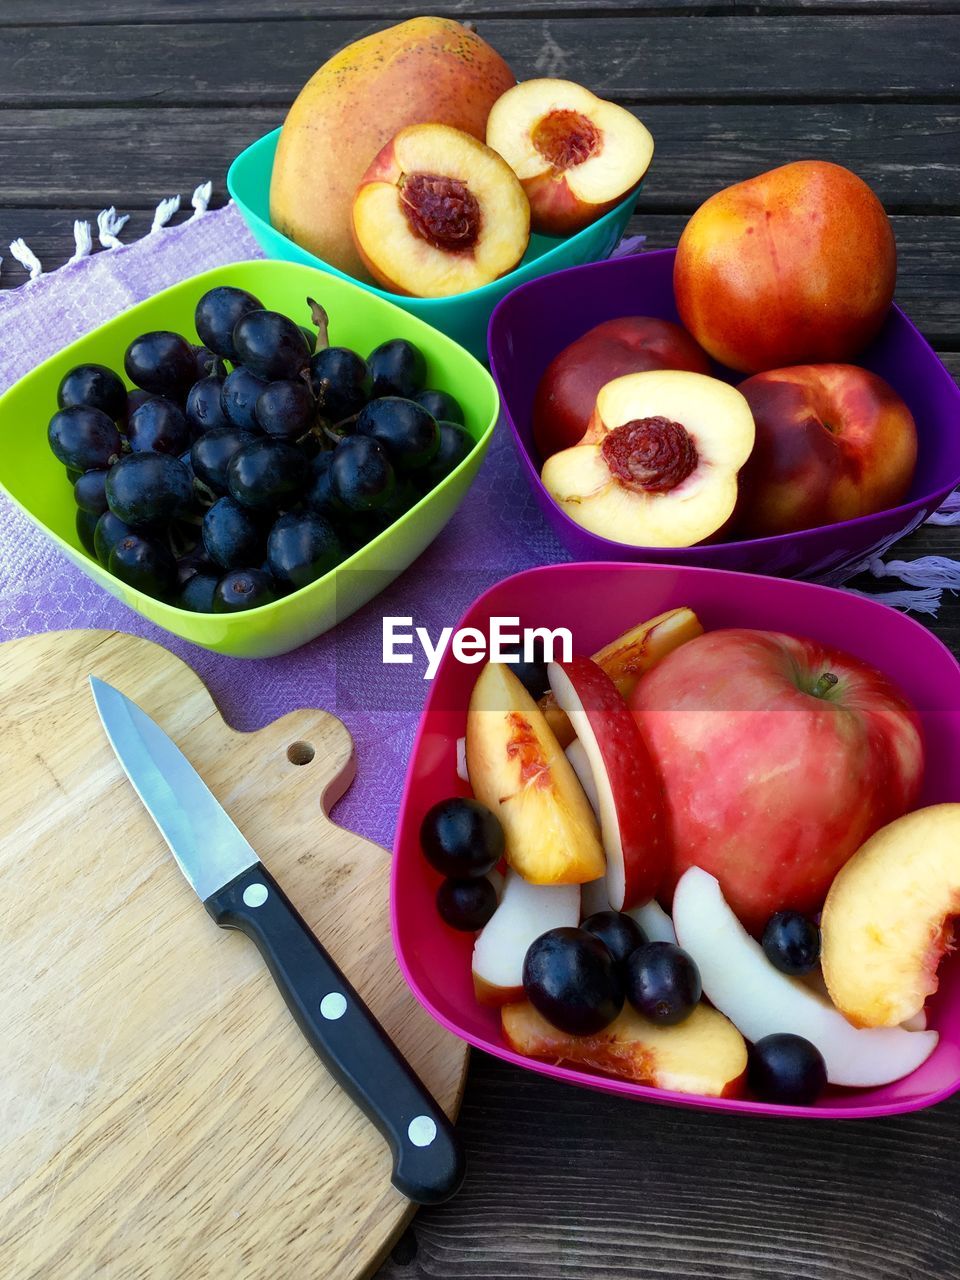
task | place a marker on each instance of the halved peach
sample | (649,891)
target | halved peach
(658,465)
(518,770)
(628,657)
(704,1054)
(438,213)
(576,155)
(889,918)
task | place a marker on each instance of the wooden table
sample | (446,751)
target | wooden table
(119,102)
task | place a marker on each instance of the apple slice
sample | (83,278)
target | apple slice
(628,657)
(525,912)
(629,797)
(888,918)
(580,761)
(575,154)
(518,770)
(651,917)
(439,213)
(658,466)
(704,1054)
(740,981)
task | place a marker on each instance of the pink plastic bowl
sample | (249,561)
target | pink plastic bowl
(538,319)
(597,602)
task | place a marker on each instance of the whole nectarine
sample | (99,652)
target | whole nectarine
(833,442)
(793,266)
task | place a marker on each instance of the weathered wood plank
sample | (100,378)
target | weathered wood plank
(109,12)
(564,1182)
(78,157)
(756,59)
(929,248)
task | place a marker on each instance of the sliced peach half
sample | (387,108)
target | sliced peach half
(627,658)
(518,770)
(889,918)
(576,155)
(704,1054)
(438,213)
(658,465)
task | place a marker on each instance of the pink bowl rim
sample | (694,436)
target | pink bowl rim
(927,503)
(611,1084)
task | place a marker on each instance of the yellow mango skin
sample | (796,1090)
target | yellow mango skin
(425,71)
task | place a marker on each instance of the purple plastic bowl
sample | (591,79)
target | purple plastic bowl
(598,602)
(537,320)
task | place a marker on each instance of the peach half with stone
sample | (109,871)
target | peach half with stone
(438,213)
(575,154)
(658,464)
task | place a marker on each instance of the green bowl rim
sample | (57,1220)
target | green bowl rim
(38,371)
(401,299)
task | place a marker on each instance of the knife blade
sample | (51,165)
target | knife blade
(240,893)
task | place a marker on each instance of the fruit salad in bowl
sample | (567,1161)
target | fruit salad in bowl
(705,852)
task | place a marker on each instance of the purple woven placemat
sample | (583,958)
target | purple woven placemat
(497,531)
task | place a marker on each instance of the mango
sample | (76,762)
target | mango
(427,70)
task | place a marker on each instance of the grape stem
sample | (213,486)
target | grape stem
(322,321)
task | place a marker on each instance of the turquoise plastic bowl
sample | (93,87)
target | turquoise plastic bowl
(36,482)
(463,317)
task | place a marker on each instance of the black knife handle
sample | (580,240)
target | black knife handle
(428,1163)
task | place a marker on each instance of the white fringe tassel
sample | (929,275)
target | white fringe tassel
(201,199)
(109,226)
(164,212)
(925,571)
(82,239)
(923,600)
(948,512)
(26,257)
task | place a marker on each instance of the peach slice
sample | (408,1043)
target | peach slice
(518,770)
(576,155)
(658,465)
(525,912)
(628,657)
(629,800)
(438,213)
(739,980)
(888,918)
(704,1054)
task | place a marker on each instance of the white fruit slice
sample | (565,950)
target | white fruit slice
(654,921)
(760,1000)
(626,786)
(525,912)
(581,767)
(462,773)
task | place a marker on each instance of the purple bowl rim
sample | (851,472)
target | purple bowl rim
(612,1084)
(907,509)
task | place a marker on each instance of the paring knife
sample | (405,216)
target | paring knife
(239,893)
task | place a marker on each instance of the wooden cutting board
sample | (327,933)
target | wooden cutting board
(161,1116)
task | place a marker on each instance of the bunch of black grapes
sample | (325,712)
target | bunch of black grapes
(245,468)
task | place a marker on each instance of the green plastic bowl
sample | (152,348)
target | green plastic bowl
(463,317)
(33,478)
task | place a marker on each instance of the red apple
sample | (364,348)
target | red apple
(629,797)
(568,389)
(779,756)
(833,442)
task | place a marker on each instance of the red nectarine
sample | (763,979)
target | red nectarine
(793,266)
